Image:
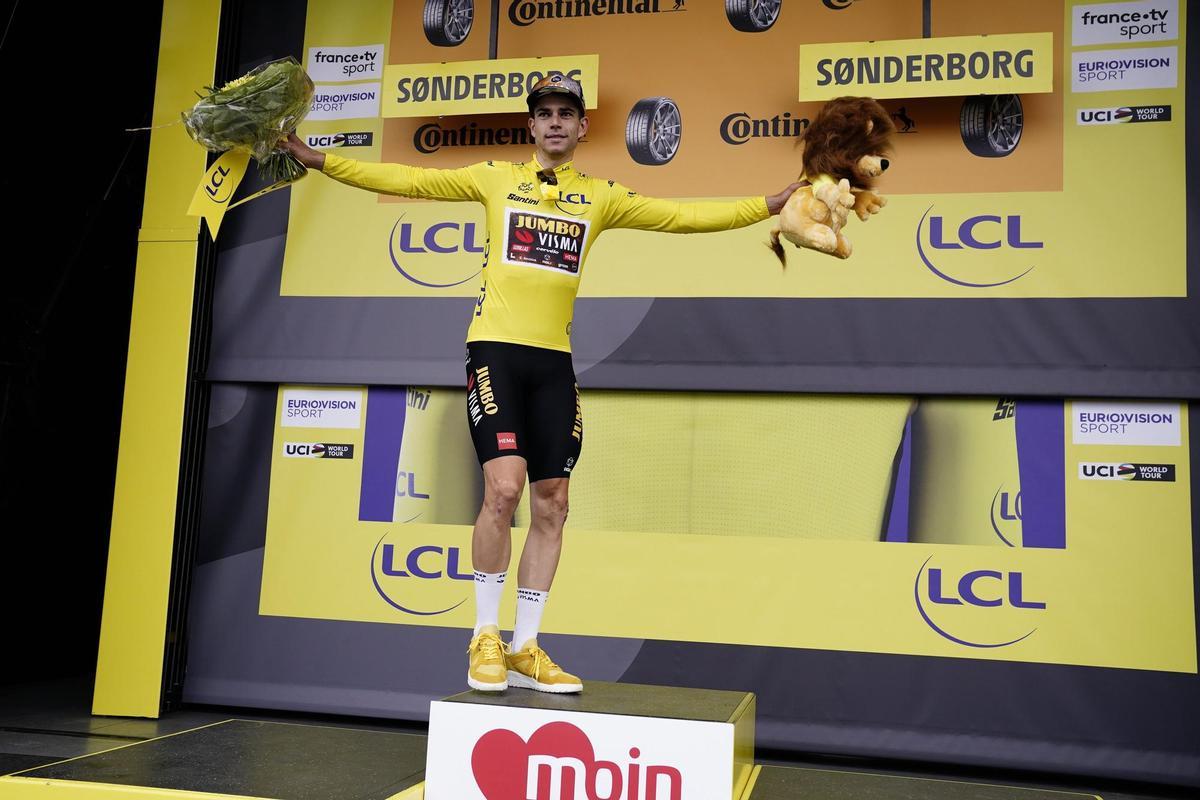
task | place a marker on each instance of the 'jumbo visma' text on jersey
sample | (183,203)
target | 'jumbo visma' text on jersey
(538,234)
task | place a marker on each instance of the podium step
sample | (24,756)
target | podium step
(613,741)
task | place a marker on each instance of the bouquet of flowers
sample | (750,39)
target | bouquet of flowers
(253,113)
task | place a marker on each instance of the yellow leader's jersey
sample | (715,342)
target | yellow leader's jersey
(539,234)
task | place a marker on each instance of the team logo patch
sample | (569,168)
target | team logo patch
(544,242)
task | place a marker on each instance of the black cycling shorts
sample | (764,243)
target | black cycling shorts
(523,401)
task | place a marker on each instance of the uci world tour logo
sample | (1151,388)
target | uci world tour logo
(423,579)
(990,246)
(981,608)
(409,239)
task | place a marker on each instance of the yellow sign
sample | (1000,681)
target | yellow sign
(478,87)
(1018,63)
(712,566)
(212,196)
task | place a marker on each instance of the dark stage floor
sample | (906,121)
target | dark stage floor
(45,723)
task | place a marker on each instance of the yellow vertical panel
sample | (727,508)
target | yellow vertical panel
(130,661)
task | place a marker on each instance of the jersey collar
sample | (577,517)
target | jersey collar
(561,171)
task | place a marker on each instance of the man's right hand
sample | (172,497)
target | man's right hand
(313,159)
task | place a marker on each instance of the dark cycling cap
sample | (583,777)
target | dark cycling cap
(557,83)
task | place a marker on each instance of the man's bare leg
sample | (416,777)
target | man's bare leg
(528,665)
(548,513)
(491,549)
(491,541)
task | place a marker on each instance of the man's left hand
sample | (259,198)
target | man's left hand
(775,202)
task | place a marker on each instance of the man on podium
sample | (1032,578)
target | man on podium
(522,400)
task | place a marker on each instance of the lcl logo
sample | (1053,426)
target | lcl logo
(440,238)
(982,232)
(977,588)
(424,562)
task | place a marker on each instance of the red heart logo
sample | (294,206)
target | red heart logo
(500,760)
(525,237)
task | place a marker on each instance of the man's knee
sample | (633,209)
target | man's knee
(502,496)
(551,508)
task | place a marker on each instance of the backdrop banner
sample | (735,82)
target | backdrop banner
(1034,234)
(1020,571)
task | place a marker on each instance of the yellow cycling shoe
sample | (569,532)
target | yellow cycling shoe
(486,671)
(531,668)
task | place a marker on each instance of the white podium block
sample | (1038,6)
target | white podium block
(612,742)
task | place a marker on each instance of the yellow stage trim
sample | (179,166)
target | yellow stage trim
(130,661)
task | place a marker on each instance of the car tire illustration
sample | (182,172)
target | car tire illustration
(448,22)
(991,125)
(653,131)
(752,16)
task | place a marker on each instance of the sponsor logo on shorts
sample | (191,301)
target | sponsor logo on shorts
(506,441)
(480,397)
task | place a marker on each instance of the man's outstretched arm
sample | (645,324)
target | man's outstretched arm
(397,179)
(630,210)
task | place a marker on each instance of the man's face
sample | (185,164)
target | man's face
(557,126)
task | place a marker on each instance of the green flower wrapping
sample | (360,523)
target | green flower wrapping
(253,113)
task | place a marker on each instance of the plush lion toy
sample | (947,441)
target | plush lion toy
(845,150)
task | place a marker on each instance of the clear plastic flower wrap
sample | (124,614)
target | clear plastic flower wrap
(253,113)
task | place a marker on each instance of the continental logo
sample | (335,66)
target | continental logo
(740,127)
(527,12)
(956,65)
(431,137)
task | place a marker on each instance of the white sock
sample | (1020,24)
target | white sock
(488,588)
(530,604)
